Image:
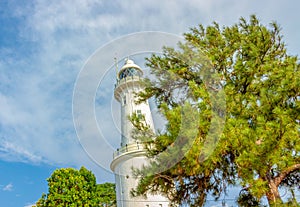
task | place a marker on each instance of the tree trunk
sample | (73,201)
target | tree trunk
(273,195)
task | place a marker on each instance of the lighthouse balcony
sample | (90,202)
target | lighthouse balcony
(127,80)
(129,149)
(127,152)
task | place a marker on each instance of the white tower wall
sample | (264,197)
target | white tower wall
(128,107)
(131,154)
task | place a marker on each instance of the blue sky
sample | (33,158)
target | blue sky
(44,45)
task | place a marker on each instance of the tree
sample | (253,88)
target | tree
(107,194)
(71,187)
(241,88)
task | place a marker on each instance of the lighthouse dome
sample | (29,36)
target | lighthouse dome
(130,69)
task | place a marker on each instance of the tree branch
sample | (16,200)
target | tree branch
(284,173)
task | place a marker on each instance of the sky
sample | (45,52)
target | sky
(45,49)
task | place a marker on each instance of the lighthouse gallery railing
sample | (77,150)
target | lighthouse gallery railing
(129,148)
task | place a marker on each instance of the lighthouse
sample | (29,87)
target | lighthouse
(131,153)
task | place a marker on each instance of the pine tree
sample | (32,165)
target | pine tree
(230,97)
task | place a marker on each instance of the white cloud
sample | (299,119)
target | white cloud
(17,152)
(30,205)
(8,187)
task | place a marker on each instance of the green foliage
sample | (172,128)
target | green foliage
(243,88)
(246,199)
(71,187)
(106,194)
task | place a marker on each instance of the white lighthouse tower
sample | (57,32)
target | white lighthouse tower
(131,154)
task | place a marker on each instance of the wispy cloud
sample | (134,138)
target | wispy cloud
(29,205)
(8,187)
(9,150)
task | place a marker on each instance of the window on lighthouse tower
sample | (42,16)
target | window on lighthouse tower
(139,114)
(124,100)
